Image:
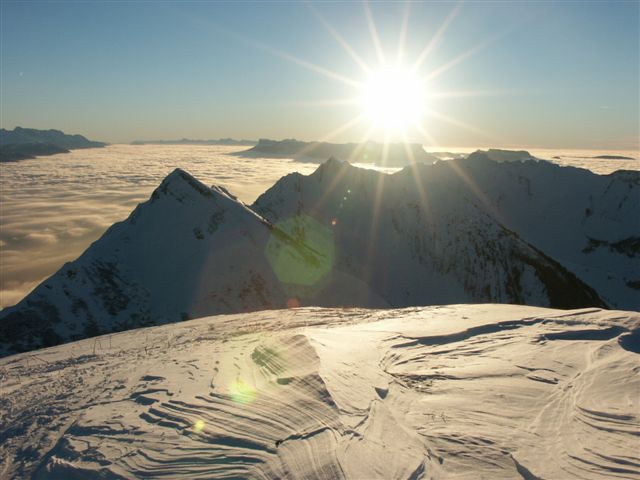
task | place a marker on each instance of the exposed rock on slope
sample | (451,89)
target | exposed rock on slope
(463,391)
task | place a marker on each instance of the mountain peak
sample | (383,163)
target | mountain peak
(181,184)
(333,161)
(184,188)
(180,178)
(331,168)
(334,164)
(179,175)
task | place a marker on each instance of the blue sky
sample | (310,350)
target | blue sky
(552,74)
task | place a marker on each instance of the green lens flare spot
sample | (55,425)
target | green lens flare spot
(242,392)
(301,251)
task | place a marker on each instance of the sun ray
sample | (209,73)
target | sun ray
(332,134)
(377,201)
(474,93)
(436,37)
(404,28)
(475,190)
(432,141)
(466,126)
(342,128)
(332,186)
(337,37)
(374,32)
(331,102)
(360,145)
(424,202)
(385,149)
(463,56)
(298,61)
(406,142)
(472,51)
(328,190)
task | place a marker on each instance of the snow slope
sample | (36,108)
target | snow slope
(342,236)
(450,211)
(458,392)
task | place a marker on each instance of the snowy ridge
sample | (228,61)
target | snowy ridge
(146,270)
(471,230)
(588,223)
(189,251)
(462,391)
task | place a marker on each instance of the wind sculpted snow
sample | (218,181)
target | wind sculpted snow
(461,391)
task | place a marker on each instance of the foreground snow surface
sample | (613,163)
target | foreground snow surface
(462,391)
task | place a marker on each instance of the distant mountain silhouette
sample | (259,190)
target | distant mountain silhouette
(613,157)
(188,141)
(23,143)
(598,157)
(390,155)
(23,151)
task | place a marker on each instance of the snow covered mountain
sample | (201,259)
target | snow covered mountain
(189,251)
(461,391)
(465,216)
(463,231)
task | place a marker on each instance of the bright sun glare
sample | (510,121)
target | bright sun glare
(397,96)
(393,99)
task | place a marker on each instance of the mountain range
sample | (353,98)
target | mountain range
(384,155)
(24,143)
(462,231)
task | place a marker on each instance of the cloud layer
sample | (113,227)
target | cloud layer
(52,208)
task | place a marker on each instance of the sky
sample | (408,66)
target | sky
(503,74)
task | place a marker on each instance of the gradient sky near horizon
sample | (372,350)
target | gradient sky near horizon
(521,74)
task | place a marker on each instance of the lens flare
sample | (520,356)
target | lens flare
(242,392)
(198,426)
(301,253)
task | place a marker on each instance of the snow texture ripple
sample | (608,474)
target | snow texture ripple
(460,391)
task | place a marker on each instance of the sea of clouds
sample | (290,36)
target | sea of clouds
(52,208)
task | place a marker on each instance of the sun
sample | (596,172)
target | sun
(393,99)
(399,97)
